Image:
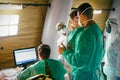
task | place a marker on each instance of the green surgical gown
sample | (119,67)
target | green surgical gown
(56,68)
(71,37)
(86,53)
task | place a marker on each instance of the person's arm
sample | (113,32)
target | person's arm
(117,50)
(58,71)
(23,75)
(117,69)
(81,55)
(63,70)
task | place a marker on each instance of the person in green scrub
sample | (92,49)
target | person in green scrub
(75,28)
(74,20)
(56,68)
(87,52)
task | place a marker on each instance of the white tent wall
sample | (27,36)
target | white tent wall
(57,12)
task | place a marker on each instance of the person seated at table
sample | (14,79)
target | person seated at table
(56,68)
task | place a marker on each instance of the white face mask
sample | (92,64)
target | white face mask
(82,13)
(79,19)
(66,31)
(63,31)
(79,22)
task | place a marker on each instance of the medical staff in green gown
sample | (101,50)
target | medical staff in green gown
(56,68)
(75,28)
(86,53)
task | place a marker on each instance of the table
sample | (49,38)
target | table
(10,73)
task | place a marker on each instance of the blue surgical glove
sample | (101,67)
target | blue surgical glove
(117,78)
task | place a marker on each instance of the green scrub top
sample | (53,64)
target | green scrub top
(71,37)
(88,53)
(56,68)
